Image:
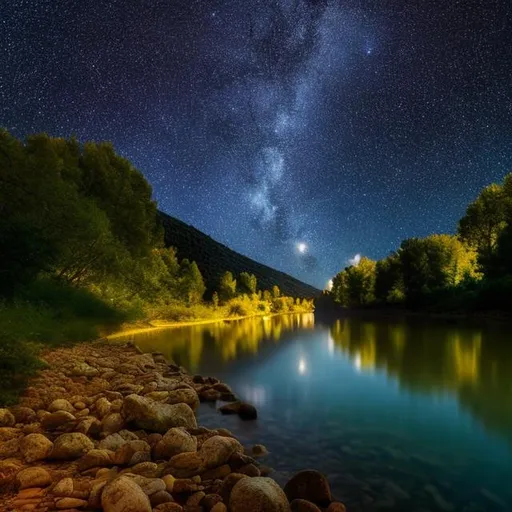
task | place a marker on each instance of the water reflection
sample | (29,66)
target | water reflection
(474,364)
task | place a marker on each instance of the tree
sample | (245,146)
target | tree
(248,282)
(227,286)
(433,263)
(483,222)
(191,282)
(276,292)
(355,285)
(388,280)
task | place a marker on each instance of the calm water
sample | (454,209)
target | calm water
(401,415)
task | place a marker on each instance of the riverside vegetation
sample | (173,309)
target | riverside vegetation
(467,272)
(82,252)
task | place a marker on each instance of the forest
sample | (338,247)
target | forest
(464,272)
(82,251)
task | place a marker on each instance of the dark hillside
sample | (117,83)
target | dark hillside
(213,259)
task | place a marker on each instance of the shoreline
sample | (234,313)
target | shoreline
(107,427)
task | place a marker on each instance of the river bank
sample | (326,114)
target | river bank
(105,427)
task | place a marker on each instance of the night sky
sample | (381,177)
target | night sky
(297,132)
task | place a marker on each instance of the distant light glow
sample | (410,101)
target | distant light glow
(302,366)
(302,247)
(355,260)
(358,362)
(329,285)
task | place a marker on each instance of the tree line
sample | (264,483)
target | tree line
(470,270)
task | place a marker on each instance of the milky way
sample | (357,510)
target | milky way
(343,125)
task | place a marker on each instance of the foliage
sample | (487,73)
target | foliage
(248,282)
(227,286)
(355,285)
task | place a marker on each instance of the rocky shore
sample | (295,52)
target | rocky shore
(107,428)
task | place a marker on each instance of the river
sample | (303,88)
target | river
(401,414)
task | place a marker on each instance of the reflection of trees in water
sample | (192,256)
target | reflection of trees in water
(186,345)
(475,364)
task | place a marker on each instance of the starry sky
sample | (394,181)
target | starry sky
(298,132)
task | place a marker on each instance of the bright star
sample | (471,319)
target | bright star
(302,247)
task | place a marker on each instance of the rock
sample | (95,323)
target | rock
(258,450)
(259,494)
(8,433)
(124,495)
(7,419)
(94,458)
(227,485)
(158,396)
(175,440)
(9,448)
(186,464)
(247,412)
(303,506)
(35,447)
(71,446)
(56,420)
(112,442)
(249,470)
(217,450)
(207,394)
(155,416)
(89,426)
(238,460)
(102,406)
(169,507)
(23,414)
(146,469)
(216,473)
(210,500)
(148,485)
(185,395)
(63,487)
(309,485)
(219,507)
(112,423)
(34,477)
(125,453)
(169,482)
(336,506)
(83,369)
(195,499)
(67,503)
(185,485)
(95,494)
(231,408)
(61,405)
(160,497)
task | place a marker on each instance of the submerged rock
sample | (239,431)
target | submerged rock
(309,485)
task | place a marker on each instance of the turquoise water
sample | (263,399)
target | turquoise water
(401,415)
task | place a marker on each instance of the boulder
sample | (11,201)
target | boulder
(56,419)
(155,416)
(258,450)
(259,494)
(247,412)
(112,423)
(169,507)
(160,497)
(34,477)
(176,440)
(96,458)
(7,418)
(71,446)
(217,450)
(303,506)
(227,485)
(231,408)
(102,406)
(112,442)
(64,487)
(184,395)
(336,506)
(61,405)
(9,448)
(23,414)
(309,485)
(186,464)
(126,452)
(35,447)
(70,503)
(124,495)
(8,433)
(219,507)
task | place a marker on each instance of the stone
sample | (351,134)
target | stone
(174,441)
(88,426)
(148,485)
(83,369)
(160,497)
(229,482)
(247,412)
(215,473)
(231,408)
(186,464)
(185,485)
(185,395)
(102,406)
(219,507)
(169,482)
(57,419)
(336,506)
(112,442)
(8,433)
(210,500)
(146,469)
(309,485)
(67,503)
(169,507)
(217,450)
(155,416)
(35,447)
(124,454)
(94,458)
(249,470)
(112,423)
(124,495)
(71,446)
(195,499)
(258,450)
(303,506)
(9,448)
(34,477)
(61,405)
(23,414)
(95,494)
(63,487)
(259,494)
(7,418)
